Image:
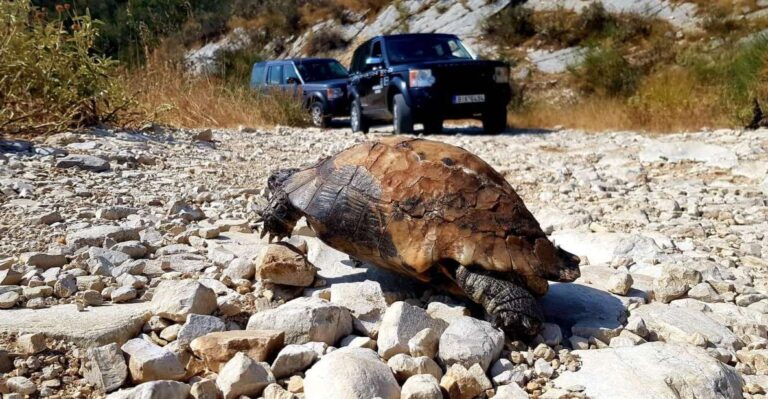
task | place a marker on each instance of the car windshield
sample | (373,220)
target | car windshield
(401,50)
(319,70)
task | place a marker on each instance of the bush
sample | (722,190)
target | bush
(50,78)
(605,71)
(558,26)
(748,72)
(238,65)
(673,98)
(596,23)
(323,41)
(512,26)
(595,19)
(719,21)
(168,96)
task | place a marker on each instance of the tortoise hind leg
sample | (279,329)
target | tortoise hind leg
(510,305)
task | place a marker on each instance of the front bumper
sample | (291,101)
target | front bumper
(438,101)
(337,107)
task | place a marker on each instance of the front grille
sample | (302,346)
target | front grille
(464,79)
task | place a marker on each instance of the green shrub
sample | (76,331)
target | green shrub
(50,78)
(605,71)
(511,26)
(238,65)
(747,76)
(719,21)
(595,23)
(595,19)
(747,71)
(558,26)
(323,41)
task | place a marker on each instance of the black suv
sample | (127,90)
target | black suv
(322,82)
(425,78)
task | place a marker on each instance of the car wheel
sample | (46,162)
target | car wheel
(317,113)
(433,126)
(495,120)
(403,119)
(356,119)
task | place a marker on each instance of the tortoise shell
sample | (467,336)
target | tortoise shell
(418,207)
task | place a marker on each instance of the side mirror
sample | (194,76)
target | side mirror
(374,61)
(292,81)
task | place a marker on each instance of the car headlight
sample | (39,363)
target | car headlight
(334,93)
(420,78)
(501,74)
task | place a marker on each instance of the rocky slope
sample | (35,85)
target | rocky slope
(463,18)
(128,267)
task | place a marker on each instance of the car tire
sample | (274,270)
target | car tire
(403,120)
(357,120)
(317,115)
(495,120)
(433,126)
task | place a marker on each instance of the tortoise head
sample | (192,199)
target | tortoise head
(279,217)
(555,263)
(277,178)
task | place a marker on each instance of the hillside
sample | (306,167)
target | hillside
(656,65)
(612,58)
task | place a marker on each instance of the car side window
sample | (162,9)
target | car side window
(275,75)
(375,52)
(258,76)
(456,51)
(290,72)
(358,59)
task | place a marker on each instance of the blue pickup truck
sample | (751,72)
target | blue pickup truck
(321,81)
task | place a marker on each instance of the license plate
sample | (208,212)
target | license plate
(468,99)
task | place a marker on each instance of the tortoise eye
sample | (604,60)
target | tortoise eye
(281,211)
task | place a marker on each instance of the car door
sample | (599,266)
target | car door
(275,77)
(292,83)
(360,82)
(258,76)
(376,73)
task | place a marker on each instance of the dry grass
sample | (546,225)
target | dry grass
(667,101)
(590,114)
(600,114)
(168,96)
(672,99)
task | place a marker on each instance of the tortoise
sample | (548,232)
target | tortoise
(431,211)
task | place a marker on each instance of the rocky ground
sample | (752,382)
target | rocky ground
(129,268)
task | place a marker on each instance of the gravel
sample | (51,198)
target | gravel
(671,230)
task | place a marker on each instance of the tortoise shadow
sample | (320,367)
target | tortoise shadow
(569,304)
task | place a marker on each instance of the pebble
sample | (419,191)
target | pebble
(30,344)
(181,240)
(242,376)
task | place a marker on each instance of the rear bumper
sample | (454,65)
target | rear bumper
(436,101)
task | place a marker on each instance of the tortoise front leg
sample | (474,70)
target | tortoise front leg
(510,305)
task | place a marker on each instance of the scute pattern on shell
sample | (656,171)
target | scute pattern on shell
(411,204)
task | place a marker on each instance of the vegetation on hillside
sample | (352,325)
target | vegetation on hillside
(86,62)
(49,77)
(636,73)
(132,29)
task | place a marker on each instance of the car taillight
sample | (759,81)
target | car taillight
(334,93)
(501,74)
(420,78)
